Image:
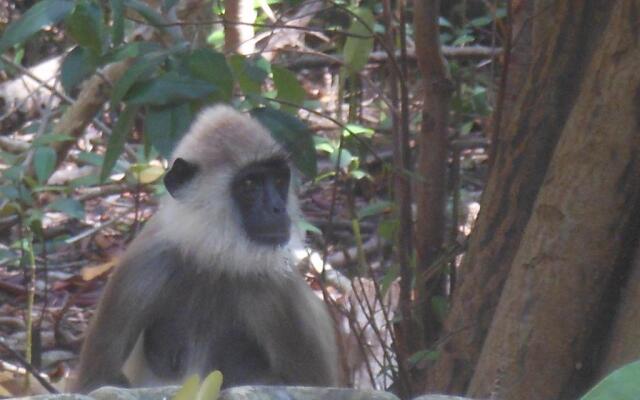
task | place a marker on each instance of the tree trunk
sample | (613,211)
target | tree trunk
(517,59)
(624,340)
(540,342)
(238,14)
(430,187)
(523,150)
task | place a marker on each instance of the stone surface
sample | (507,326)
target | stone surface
(116,393)
(241,393)
(301,393)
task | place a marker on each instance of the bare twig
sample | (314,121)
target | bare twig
(470,53)
(98,227)
(30,368)
(13,145)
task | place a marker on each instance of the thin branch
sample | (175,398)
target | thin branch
(54,90)
(98,227)
(253,24)
(465,53)
(30,368)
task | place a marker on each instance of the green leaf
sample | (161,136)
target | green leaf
(9,192)
(44,162)
(78,65)
(51,138)
(389,277)
(91,158)
(466,128)
(359,174)
(357,130)
(165,126)
(212,67)
(210,388)
(346,158)
(249,73)
(442,21)
(481,21)
(388,229)
(117,140)
(356,50)
(326,147)
(14,172)
(145,173)
(375,208)
(8,158)
(169,88)
(293,134)
(189,389)
(621,384)
(464,39)
(258,68)
(84,181)
(117,15)
(43,13)
(167,4)
(148,13)
(131,50)
(289,89)
(141,69)
(306,226)
(440,306)
(69,206)
(34,220)
(324,144)
(422,355)
(86,25)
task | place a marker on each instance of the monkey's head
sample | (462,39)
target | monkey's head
(230,194)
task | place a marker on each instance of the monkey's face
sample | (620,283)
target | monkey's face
(260,192)
(256,199)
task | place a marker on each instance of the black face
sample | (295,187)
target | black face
(260,193)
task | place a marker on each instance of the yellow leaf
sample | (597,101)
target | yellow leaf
(4,392)
(93,271)
(147,173)
(189,389)
(9,209)
(210,389)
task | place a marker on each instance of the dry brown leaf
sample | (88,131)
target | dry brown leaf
(103,241)
(4,392)
(93,271)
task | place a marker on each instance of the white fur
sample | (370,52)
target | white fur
(204,222)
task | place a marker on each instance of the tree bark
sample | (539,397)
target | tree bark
(539,344)
(517,59)
(430,187)
(94,94)
(624,339)
(523,151)
(237,33)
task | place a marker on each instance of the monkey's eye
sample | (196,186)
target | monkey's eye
(248,183)
(280,181)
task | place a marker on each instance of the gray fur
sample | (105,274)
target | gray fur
(192,294)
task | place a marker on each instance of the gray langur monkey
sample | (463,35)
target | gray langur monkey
(209,284)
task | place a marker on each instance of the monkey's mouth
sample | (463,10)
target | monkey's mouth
(270,238)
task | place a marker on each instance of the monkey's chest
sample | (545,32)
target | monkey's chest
(201,336)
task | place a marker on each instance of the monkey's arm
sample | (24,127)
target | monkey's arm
(297,335)
(127,305)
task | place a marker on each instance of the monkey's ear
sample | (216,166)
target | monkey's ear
(180,173)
